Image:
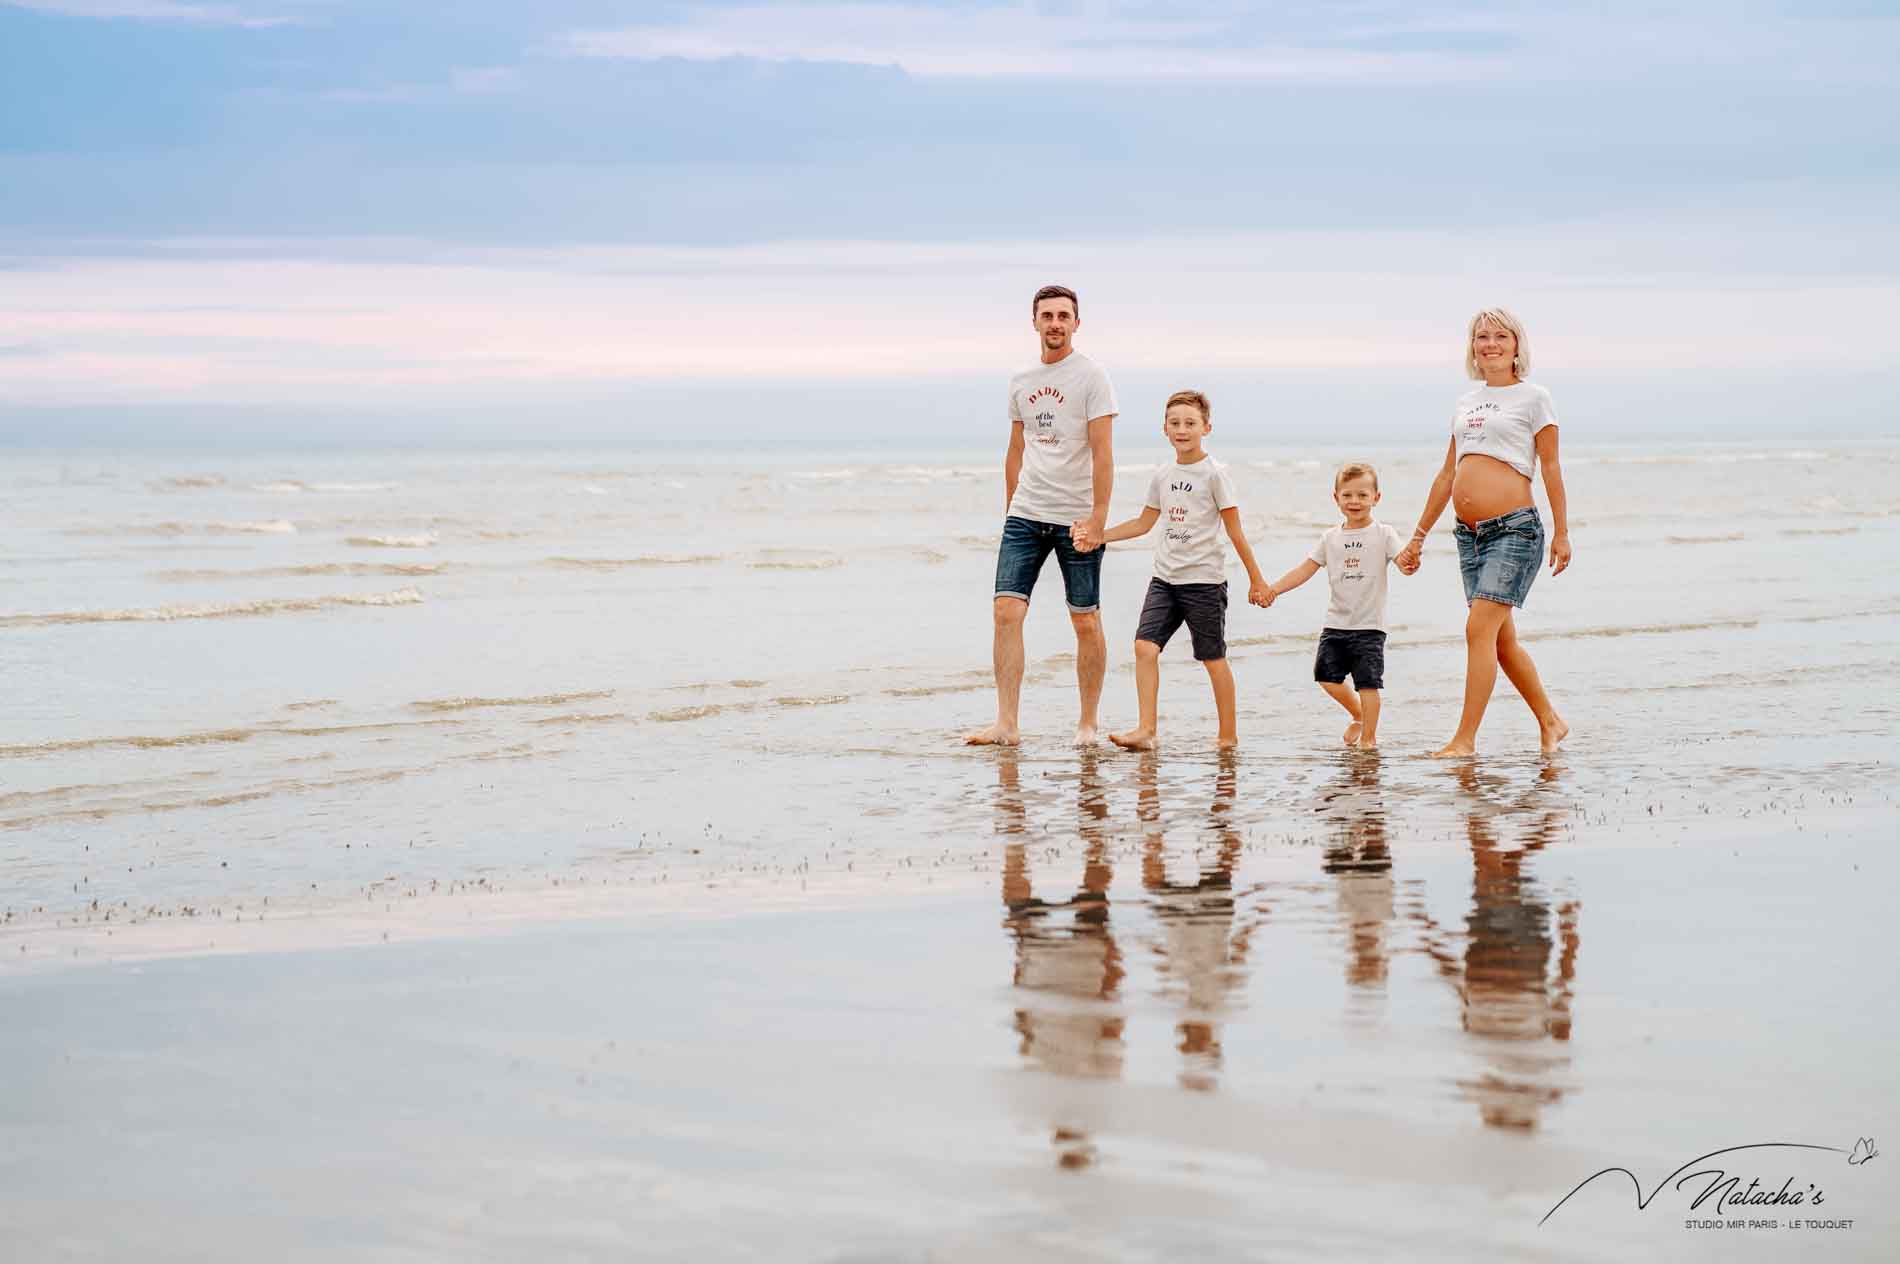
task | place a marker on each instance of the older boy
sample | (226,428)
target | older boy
(1190,583)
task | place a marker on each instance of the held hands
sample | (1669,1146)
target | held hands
(1086,534)
(1559,552)
(1261,594)
(1410,558)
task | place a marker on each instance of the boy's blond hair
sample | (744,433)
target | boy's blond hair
(1356,469)
(1195,398)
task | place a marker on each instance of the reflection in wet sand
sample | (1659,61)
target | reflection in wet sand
(1068,967)
(1513,1002)
(1200,954)
(1358,854)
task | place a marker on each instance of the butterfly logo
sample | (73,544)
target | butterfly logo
(1863,1151)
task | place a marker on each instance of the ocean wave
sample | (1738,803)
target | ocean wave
(213,610)
(315,568)
(1819,530)
(795,560)
(646,559)
(187,482)
(274,526)
(820,700)
(291,486)
(1701,458)
(537,700)
(426,540)
(210,737)
(1728,538)
(705,711)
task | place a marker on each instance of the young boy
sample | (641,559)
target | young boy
(1355,554)
(1189,584)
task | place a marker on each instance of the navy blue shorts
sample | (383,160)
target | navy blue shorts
(1355,652)
(1203,607)
(1026,546)
(1500,557)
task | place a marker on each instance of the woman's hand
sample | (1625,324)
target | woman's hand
(1409,559)
(1559,552)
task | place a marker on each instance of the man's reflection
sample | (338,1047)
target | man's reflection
(1201,957)
(1068,970)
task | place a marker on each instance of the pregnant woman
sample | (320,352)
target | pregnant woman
(1499,433)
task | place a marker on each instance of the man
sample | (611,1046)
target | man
(1057,477)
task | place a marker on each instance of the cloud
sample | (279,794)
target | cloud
(263,325)
(1015,41)
(155,10)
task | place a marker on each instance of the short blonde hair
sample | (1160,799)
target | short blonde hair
(1502,318)
(1356,469)
(1190,397)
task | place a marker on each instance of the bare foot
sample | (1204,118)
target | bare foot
(1085,735)
(1369,743)
(1134,739)
(994,735)
(1552,733)
(1352,733)
(1227,742)
(1455,749)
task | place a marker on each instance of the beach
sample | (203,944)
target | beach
(416,854)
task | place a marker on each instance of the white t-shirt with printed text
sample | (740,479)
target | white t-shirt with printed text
(1502,422)
(1055,403)
(1190,498)
(1355,563)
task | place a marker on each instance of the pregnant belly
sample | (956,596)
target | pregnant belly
(1485,487)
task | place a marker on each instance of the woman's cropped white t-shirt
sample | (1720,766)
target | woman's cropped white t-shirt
(1502,422)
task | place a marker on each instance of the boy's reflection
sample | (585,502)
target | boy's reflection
(1201,957)
(1068,968)
(1513,999)
(1358,854)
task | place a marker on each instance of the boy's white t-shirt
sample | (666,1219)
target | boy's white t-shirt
(1190,498)
(1502,422)
(1355,563)
(1055,403)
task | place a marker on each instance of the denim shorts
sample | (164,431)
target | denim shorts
(1203,607)
(1027,545)
(1500,556)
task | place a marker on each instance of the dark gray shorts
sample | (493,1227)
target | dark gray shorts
(1203,607)
(1359,652)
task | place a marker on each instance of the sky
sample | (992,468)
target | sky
(331,220)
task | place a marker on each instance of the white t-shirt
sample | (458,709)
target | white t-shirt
(1190,498)
(1355,563)
(1055,403)
(1502,422)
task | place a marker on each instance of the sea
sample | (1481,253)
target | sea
(689,718)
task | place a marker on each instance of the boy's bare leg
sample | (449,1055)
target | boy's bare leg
(1369,706)
(1006,652)
(1482,627)
(1147,696)
(1091,665)
(1522,672)
(1221,676)
(1345,697)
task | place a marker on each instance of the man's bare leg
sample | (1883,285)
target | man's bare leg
(1091,665)
(1522,673)
(1221,676)
(1482,627)
(1339,692)
(1147,695)
(1006,653)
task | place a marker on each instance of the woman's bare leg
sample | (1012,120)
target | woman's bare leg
(1482,627)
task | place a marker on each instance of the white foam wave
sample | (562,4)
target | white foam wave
(426,540)
(276,526)
(213,610)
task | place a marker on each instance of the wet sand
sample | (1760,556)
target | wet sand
(1148,1009)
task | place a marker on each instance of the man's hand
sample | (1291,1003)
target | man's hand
(1086,534)
(1261,594)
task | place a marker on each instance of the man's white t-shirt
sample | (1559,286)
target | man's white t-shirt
(1190,498)
(1055,403)
(1502,422)
(1355,563)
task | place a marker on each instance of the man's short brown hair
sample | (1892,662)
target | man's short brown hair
(1195,398)
(1056,291)
(1356,469)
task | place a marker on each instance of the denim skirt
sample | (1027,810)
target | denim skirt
(1499,557)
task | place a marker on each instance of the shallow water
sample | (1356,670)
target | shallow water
(687,928)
